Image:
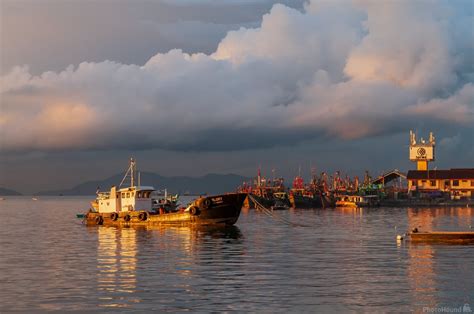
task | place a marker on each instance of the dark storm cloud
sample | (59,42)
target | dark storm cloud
(348,70)
(51,34)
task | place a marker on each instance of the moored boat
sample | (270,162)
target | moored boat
(304,196)
(356,201)
(462,237)
(134,205)
(263,191)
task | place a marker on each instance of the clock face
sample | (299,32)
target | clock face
(421,152)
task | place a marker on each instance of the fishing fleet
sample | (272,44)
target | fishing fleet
(138,204)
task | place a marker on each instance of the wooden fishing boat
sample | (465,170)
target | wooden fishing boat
(442,236)
(134,205)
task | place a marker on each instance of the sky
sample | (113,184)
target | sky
(196,87)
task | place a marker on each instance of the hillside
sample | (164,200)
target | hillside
(210,183)
(8,192)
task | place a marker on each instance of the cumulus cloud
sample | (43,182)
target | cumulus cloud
(349,70)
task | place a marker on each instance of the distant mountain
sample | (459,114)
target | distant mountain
(8,192)
(211,184)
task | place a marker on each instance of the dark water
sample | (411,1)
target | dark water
(343,260)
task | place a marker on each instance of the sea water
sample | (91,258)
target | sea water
(326,259)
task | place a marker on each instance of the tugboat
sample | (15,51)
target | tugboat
(134,205)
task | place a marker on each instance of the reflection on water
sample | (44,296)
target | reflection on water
(420,268)
(424,278)
(116,264)
(117,256)
(440,219)
(341,260)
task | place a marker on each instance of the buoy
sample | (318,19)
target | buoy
(399,237)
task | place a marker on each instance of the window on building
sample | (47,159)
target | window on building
(455,182)
(128,194)
(464,181)
(139,194)
(123,195)
(472,182)
(432,182)
(413,182)
(423,182)
(447,183)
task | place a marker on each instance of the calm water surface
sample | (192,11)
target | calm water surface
(346,260)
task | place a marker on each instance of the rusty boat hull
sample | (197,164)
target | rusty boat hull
(221,209)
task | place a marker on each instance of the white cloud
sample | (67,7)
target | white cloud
(346,70)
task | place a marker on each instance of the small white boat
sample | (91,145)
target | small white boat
(34,199)
(356,201)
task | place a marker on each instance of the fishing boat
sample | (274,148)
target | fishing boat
(356,201)
(263,191)
(442,236)
(134,205)
(303,197)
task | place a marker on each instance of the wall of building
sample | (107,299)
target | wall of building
(457,187)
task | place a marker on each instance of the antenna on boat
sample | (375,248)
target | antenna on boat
(139,179)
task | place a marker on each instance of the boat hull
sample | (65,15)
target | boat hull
(263,201)
(305,202)
(443,237)
(219,209)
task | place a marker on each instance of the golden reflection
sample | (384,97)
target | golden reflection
(421,274)
(351,210)
(464,216)
(421,270)
(116,263)
(117,255)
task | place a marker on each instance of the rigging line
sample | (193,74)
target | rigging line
(271,214)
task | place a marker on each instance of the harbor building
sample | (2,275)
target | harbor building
(457,183)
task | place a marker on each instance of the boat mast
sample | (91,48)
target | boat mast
(131,170)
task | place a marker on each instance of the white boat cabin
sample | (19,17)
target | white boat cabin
(134,198)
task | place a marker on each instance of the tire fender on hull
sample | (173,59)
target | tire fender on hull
(194,211)
(143,216)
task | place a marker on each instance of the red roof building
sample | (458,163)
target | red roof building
(459,182)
